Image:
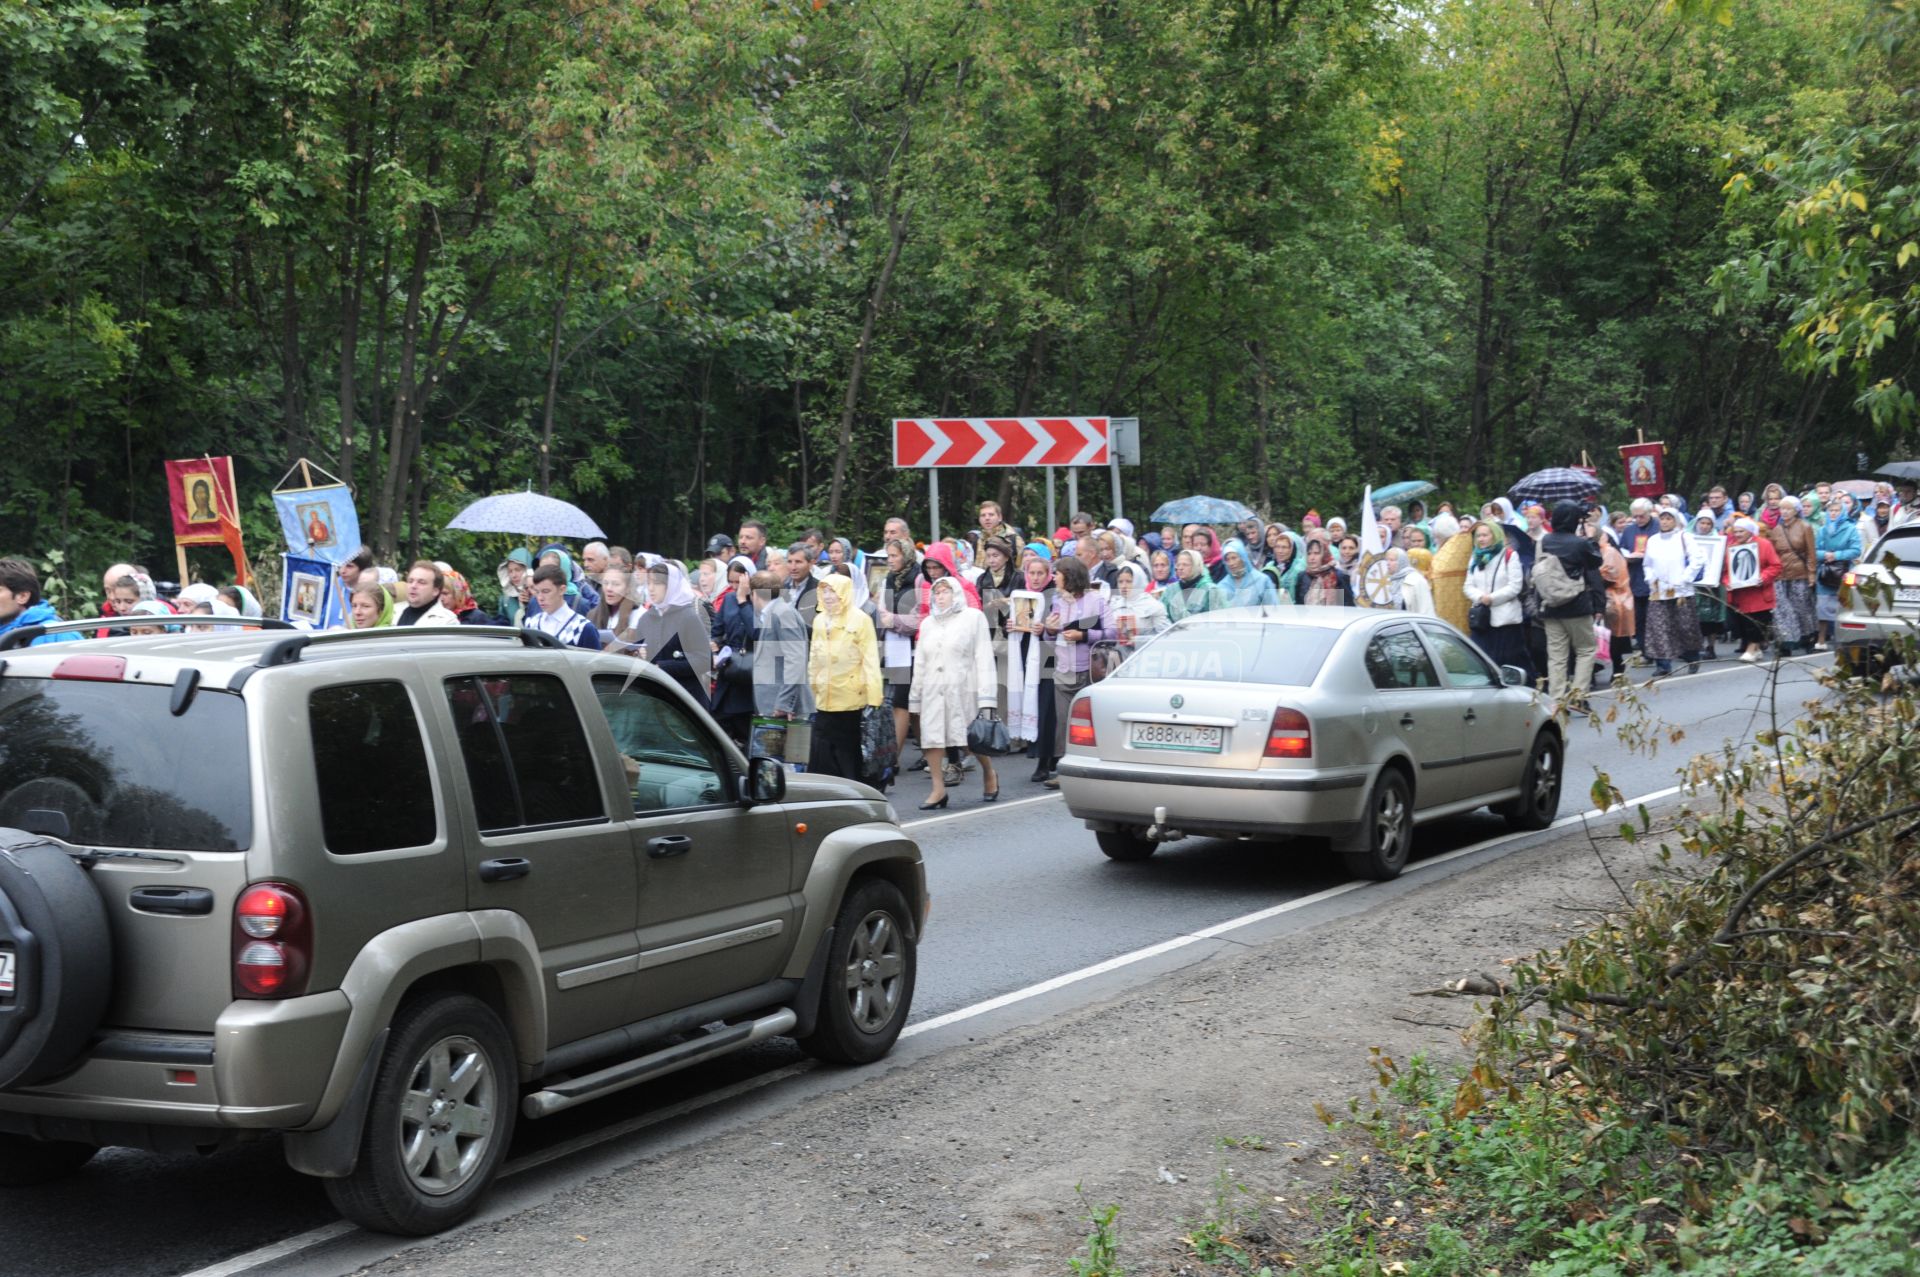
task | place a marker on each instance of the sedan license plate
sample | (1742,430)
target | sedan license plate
(1906,594)
(6,972)
(1185,737)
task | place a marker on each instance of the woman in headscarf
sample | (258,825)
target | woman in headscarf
(953,681)
(1246,585)
(1137,614)
(1708,601)
(581,594)
(1287,560)
(843,670)
(369,607)
(1210,551)
(1160,570)
(1494,582)
(1348,556)
(1673,623)
(709,581)
(1618,579)
(1193,590)
(897,619)
(1407,590)
(1836,548)
(238,597)
(1536,516)
(998,580)
(1029,679)
(617,615)
(674,633)
(734,630)
(940,562)
(1336,528)
(158,611)
(457,597)
(1254,533)
(516,586)
(1321,582)
(1080,618)
(1743,504)
(1793,604)
(1103,570)
(1752,605)
(1770,506)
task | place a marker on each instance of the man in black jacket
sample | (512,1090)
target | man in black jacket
(1569,625)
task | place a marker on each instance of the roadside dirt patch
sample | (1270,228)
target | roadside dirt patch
(1159,1100)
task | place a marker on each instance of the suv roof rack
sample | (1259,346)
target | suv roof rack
(26,634)
(289,649)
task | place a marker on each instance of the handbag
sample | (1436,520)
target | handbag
(738,671)
(879,749)
(1602,643)
(986,734)
(1834,574)
(1479,617)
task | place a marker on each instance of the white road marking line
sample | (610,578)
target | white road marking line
(278,1250)
(293,1245)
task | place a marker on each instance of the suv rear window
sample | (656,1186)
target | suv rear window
(1280,654)
(112,759)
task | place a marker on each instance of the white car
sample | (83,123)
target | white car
(1345,723)
(1882,598)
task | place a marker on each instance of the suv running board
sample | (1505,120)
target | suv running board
(556,1096)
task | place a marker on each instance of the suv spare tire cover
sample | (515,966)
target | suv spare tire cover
(54,923)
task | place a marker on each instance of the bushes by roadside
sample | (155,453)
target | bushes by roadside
(1722,1075)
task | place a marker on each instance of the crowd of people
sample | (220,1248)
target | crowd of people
(820,640)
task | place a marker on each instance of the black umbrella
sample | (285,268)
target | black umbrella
(1556,484)
(1901,470)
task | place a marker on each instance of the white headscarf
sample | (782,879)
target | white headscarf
(956,597)
(679,589)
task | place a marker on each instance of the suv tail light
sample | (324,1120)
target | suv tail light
(1080,723)
(272,941)
(93,668)
(1290,735)
(1848,580)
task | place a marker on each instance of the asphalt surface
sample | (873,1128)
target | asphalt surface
(1020,894)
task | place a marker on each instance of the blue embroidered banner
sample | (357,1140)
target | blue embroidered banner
(319,523)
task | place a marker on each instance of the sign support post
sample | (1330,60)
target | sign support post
(933,504)
(1073,491)
(1053,520)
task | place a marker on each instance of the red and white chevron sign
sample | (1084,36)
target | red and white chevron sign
(922,443)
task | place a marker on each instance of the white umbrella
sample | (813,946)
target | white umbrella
(527,513)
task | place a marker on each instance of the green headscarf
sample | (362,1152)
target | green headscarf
(1483,557)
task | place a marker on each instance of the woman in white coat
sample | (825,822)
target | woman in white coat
(953,682)
(1407,590)
(1673,620)
(1495,578)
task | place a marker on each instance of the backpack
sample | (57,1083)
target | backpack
(1553,583)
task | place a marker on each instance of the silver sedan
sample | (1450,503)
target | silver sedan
(1882,598)
(1343,723)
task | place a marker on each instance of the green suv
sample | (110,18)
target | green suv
(384,893)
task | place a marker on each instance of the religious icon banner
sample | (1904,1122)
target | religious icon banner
(204,502)
(310,593)
(1646,468)
(319,523)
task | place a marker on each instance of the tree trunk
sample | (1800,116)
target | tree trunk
(386,521)
(553,374)
(293,371)
(1262,423)
(897,236)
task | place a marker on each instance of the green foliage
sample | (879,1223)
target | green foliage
(627,253)
(1100,1255)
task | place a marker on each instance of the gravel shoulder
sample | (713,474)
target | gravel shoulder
(968,1160)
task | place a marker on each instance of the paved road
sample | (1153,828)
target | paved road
(1020,894)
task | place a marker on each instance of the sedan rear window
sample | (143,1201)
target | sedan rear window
(1283,655)
(1903,545)
(113,763)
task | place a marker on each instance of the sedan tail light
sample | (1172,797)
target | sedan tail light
(1290,735)
(272,941)
(1080,723)
(1848,579)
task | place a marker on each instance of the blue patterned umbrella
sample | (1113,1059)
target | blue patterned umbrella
(1405,490)
(1556,484)
(1202,510)
(527,513)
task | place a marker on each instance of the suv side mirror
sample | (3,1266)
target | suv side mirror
(1513,676)
(765,782)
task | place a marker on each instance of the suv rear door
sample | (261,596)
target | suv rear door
(716,908)
(543,845)
(101,762)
